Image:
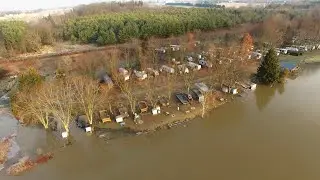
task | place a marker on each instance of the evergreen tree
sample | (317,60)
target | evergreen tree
(269,70)
(107,37)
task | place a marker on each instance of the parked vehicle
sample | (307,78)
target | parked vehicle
(182,98)
(205,63)
(143,106)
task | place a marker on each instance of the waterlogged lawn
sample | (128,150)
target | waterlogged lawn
(308,57)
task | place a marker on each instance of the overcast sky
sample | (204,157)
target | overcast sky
(8,5)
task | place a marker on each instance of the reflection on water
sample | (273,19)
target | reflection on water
(273,135)
(264,96)
(281,88)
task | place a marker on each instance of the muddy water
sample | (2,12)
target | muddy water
(273,134)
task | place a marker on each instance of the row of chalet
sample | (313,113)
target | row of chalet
(295,50)
(121,112)
(191,64)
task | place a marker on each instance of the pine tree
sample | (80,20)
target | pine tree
(269,70)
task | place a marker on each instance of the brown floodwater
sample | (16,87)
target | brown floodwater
(271,134)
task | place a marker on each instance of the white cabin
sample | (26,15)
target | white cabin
(141,75)
(194,66)
(119,119)
(153,72)
(124,73)
(167,69)
(183,69)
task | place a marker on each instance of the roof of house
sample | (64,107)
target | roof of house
(288,65)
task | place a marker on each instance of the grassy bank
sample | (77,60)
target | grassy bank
(308,57)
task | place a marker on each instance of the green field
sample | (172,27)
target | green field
(308,57)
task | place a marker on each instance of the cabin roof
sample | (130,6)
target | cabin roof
(288,65)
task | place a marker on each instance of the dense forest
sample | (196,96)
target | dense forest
(120,27)
(111,23)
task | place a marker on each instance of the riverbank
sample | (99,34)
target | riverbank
(171,116)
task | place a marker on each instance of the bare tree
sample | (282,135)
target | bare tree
(30,107)
(126,87)
(151,90)
(207,103)
(170,83)
(188,79)
(87,95)
(60,100)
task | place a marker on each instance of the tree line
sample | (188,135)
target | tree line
(121,27)
(111,23)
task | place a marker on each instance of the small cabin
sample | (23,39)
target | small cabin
(175,47)
(124,73)
(143,106)
(256,55)
(253,86)
(202,87)
(141,75)
(156,110)
(167,69)
(183,69)
(163,101)
(119,119)
(105,117)
(194,66)
(123,111)
(152,72)
(198,95)
(230,90)
(161,50)
(174,61)
(233,90)
(283,51)
(189,58)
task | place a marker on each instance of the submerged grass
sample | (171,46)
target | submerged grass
(308,57)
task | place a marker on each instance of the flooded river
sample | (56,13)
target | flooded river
(272,134)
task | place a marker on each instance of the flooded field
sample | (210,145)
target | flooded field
(272,134)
